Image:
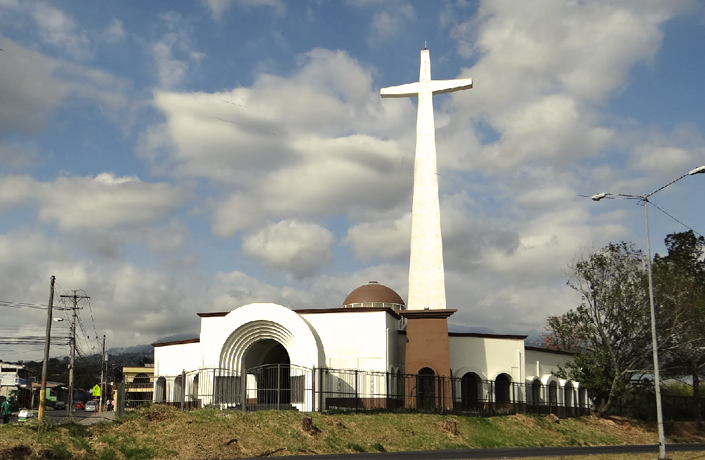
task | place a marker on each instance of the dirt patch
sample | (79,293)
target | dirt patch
(685,431)
(18,452)
(160,413)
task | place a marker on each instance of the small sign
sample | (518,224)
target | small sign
(96,390)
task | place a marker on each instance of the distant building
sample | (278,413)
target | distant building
(55,391)
(139,386)
(15,377)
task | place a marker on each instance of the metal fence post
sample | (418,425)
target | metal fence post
(278,384)
(243,390)
(356,394)
(313,389)
(321,404)
(386,400)
(183,389)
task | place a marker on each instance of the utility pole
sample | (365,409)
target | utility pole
(75,298)
(102,384)
(43,389)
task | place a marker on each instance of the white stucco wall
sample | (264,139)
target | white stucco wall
(354,339)
(394,357)
(487,357)
(171,360)
(541,363)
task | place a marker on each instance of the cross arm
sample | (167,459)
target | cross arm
(408,90)
(448,86)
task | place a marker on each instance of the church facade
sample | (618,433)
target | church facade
(373,350)
(366,346)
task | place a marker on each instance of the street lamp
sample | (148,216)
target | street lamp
(654,342)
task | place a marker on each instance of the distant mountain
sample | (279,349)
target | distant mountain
(147,348)
(470,329)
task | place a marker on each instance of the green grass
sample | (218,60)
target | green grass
(166,433)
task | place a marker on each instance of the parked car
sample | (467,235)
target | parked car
(90,406)
(25,414)
(60,405)
(78,405)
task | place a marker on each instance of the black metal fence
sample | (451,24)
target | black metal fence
(283,386)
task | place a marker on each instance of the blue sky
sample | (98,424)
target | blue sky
(178,157)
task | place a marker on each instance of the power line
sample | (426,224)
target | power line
(11,304)
(654,205)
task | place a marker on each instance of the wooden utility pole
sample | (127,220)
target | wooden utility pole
(75,298)
(102,373)
(43,389)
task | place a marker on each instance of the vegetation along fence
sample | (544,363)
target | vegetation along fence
(290,387)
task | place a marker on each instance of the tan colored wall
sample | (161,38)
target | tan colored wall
(427,346)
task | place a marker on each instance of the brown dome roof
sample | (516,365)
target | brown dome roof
(373,292)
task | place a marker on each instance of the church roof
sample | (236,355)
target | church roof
(313,311)
(373,292)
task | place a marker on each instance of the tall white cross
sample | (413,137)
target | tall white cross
(426,276)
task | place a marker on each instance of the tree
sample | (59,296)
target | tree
(680,297)
(610,329)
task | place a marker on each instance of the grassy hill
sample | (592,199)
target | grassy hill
(166,433)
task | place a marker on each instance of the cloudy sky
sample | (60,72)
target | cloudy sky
(169,158)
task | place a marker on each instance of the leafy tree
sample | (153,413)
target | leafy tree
(680,297)
(610,329)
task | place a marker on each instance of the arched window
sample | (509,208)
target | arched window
(568,395)
(426,389)
(553,393)
(178,389)
(502,386)
(160,396)
(470,387)
(194,389)
(536,392)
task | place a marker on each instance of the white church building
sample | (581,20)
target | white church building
(372,350)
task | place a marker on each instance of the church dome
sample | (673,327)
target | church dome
(374,295)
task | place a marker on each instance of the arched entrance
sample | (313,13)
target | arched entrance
(268,368)
(426,389)
(470,386)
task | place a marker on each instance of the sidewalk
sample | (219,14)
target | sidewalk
(85,419)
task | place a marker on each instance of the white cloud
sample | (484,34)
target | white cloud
(96,203)
(218,7)
(305,125)
(115,32)
(301,248)
(545,70)
(173,53)
(384,238)
(15,156)
(388,23)
(26,102)
(664,153)
(59,30)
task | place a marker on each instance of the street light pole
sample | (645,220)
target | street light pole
(43,388)
(654,340)
(654,336)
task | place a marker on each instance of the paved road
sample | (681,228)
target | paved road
(464,454)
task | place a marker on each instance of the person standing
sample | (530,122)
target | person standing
(6,410)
